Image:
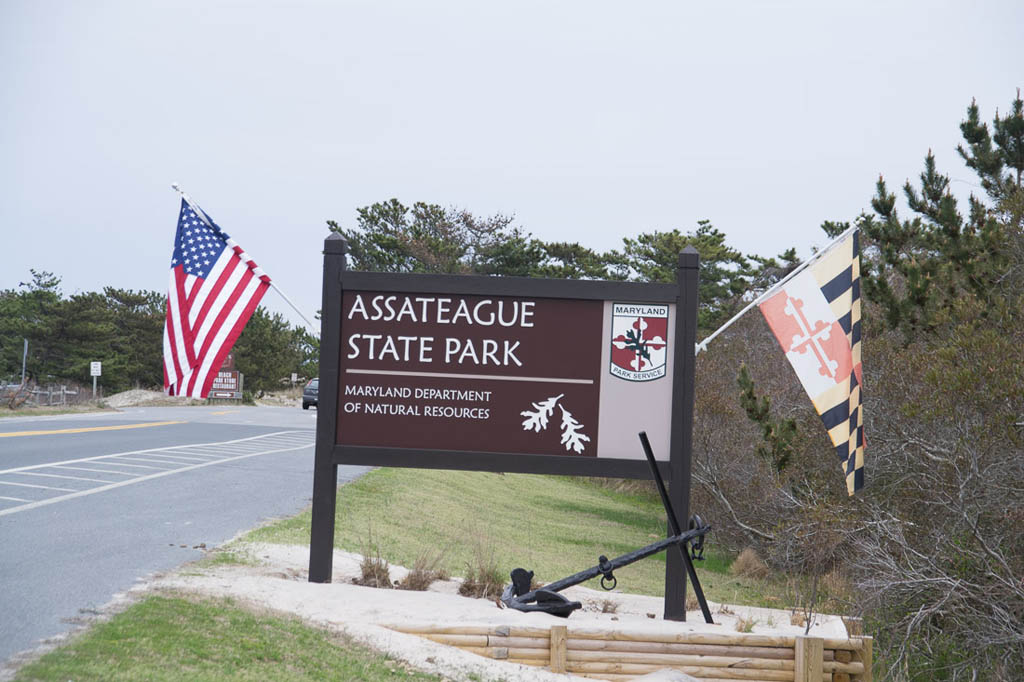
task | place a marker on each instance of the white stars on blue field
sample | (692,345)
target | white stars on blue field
(197,246)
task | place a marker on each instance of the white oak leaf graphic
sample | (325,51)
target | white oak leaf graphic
(571,436)
(539,420)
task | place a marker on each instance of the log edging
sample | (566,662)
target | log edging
(622,655)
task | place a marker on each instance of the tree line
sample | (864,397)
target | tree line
(123,329)
(427,238)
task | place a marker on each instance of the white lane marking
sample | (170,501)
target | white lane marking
(169,447)
(125,464)
(73,478)
(159,459)
(120,461)
(32,485)
(104,488)
(98,471)
(198,456)
(13,499)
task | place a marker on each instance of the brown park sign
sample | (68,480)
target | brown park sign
(502,374)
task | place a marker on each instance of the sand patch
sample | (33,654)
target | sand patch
(277,580)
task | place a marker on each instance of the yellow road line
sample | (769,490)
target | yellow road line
(121,427)
(226,412)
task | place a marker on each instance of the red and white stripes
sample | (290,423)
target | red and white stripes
(205,317)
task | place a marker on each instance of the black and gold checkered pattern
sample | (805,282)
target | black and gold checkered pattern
(838,274)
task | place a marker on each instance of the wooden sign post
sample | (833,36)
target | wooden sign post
(503,374)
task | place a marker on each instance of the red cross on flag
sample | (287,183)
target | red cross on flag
(816,319)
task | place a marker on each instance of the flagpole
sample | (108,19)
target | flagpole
(800,268)
(206,219)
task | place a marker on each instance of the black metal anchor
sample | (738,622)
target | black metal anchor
(519,596)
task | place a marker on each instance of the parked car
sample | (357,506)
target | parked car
(310,394)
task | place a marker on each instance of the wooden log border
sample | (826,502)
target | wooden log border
(623,655)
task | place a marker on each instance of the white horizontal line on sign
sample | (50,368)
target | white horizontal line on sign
(492,377)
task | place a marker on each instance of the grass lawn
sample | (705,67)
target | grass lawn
(552,525)
(164,638)
(53,410)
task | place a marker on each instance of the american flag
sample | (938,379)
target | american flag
(213,290)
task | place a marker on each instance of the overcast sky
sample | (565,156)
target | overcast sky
(589,121)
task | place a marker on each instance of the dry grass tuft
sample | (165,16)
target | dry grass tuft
(483,576)
(427,568)
(745,624)
(749,565)
(484,582)
(374,569)
(838,591)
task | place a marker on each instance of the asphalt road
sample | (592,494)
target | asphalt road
(90,504)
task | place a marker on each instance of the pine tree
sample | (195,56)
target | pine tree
(923,266)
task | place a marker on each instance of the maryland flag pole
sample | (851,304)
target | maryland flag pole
(815,316)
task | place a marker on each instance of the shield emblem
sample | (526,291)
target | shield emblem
(639,343)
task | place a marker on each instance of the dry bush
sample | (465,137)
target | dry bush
(749,565)
(484,578)
(427,568)
(838,594)
(482,581)
(374,568)
(745,624)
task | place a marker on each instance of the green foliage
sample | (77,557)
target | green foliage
(309,350)
(724,272)
(940,559)
(564,260)
(123,329)
(1000,168)
(922,266)
(777,435)
(64,334)
(392,237)
(269,350)
(834,228)
(561,522)
(138,342)
(172,638)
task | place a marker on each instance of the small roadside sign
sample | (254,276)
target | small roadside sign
(96,369)
(227,384)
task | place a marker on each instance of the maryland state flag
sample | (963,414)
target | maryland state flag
(816,318)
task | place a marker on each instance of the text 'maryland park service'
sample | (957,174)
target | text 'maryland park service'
(504,374)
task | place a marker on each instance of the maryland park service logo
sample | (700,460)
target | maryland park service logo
(639,341)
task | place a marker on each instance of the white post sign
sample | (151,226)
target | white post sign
(95,370)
